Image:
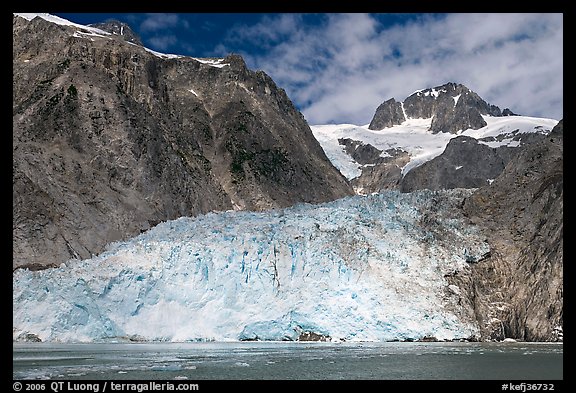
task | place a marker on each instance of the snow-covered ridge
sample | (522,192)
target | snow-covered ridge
(61,21)
(434,93)
(428,92)
(357,269)
(89,32)
(413,137)
(163,55)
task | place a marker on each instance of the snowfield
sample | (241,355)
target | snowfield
(357,269)
(413,137)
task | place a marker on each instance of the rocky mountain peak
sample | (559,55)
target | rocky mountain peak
(388,114)
(118,28)
(448,88)
(452,107)
(235,60)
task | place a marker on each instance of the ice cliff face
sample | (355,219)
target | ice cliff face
(360,268)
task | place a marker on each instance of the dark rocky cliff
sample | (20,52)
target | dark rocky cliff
(465,163)
(109,139)
(517,291)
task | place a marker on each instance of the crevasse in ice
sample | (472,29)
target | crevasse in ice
(360,268)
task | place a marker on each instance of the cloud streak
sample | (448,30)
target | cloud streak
(158,30)
(163,42)
(155,22)
(341,69)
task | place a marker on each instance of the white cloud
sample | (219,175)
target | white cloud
(269,30)
(342,69)
(154,22)
(158,30)
(162,42)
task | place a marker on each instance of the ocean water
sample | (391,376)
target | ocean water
(289,361)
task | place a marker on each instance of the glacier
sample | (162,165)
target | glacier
(362,268)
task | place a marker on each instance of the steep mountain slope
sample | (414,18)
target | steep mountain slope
(110,138)
(465,163)
(519,289)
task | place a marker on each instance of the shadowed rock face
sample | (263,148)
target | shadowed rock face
(518,291)
(362,153)
(388,114)
(465,163)
(109,140)
(452,107)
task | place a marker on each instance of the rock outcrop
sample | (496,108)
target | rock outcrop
(121,29)
(110,139)
(362,153)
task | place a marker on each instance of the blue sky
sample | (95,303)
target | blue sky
(337,68)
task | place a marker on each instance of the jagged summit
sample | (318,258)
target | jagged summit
(118,28)
(452,107)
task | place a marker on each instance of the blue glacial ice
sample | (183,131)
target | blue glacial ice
(357,269)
